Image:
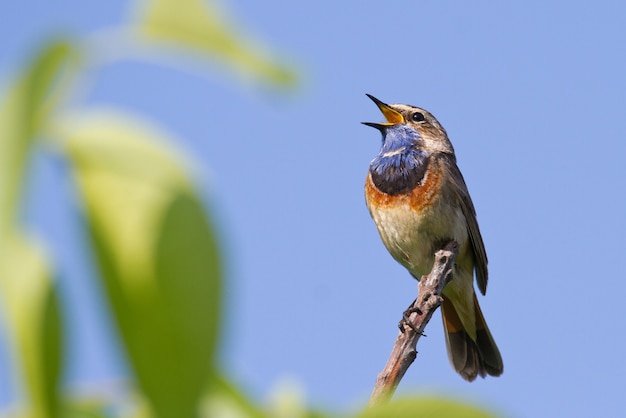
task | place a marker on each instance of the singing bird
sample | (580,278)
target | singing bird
(418,200)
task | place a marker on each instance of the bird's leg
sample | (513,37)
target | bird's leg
(405,317)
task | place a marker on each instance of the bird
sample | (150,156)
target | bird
(418,200)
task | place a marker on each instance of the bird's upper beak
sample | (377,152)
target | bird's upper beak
(392,116)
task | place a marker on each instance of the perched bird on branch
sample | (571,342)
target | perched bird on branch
(418,200)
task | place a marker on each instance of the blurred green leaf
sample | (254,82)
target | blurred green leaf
(424,408)
(156,251)
(85,410)
(199,26)
(30,299)
(22,113)
(225,400)
(27,289)
(287,400)
(228,401)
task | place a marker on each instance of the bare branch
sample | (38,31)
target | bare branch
(428,300)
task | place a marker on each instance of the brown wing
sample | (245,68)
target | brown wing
(480,256)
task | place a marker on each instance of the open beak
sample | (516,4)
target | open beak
(392,116)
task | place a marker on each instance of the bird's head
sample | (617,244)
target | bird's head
(410,126)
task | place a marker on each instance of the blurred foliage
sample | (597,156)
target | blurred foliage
(424,408)
(198,26)
(150,232)
(28,292)
(156,251)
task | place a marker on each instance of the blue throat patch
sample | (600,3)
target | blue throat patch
(400,165)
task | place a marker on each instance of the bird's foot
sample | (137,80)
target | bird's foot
(405,318)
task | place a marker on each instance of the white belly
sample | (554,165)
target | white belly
(412,238)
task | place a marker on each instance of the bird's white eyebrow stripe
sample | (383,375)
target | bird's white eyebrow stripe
(394,152)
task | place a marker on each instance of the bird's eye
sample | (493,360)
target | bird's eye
(417,117)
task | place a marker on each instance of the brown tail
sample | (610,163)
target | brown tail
(468,357)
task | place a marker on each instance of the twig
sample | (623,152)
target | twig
(428,300)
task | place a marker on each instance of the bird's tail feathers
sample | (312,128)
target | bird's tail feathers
(469,357)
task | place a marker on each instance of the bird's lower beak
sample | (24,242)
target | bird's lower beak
(392,116)
(380,126)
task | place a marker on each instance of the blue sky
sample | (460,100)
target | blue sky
(532,95)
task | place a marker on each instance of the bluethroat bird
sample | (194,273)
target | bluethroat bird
(418,200)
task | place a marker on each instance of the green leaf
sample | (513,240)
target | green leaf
(85,409)
(28,292)
(424,408)
(197,25)
(157,254)
(226,400)
(22,113)
(31,302)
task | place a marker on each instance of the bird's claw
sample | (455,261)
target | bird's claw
(405,319)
